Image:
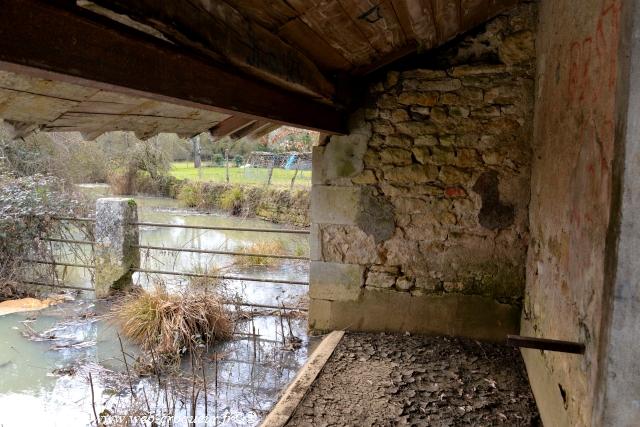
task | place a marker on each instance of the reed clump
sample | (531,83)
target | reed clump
(169,324)
(271,247)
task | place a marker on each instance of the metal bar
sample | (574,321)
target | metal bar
(251,338)
(204,251)
(274,307)
(273,364)
(258,389)
(70,218)
(51,285)
(221,276)
(546,344)
(63,264)
(79,242)
(197,227)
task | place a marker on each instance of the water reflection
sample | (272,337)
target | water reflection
(43,386)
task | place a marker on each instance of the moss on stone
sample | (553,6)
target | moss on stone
(495,279)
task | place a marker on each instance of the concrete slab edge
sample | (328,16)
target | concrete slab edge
(288,403)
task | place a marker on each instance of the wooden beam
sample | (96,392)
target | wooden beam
(45,40)
(217,29)
(417,20)
(228,126)
(447,19)
(248,130)
(265,130)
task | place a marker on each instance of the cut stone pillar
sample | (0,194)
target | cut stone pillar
(115,240)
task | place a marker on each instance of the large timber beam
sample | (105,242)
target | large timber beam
(217,29)
(49,41)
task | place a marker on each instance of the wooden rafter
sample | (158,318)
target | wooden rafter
(248,130)
(80,47)
(218,30)
(228,126)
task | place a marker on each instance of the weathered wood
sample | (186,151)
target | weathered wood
(378,23)
(228,126)
(265,130)
(333,24)
(28,107)
(410,47)
(102,54)
(293,395)
(298,34)
(123,19)
(546,344)
(248,130)
(215,27)
(271,15)
(302,6)
(447,19)
(416,18)
(474,12)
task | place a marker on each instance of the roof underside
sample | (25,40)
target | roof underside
(236,67)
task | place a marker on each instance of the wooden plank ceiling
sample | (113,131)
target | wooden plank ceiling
(30,103)
(303,43)
(300,47)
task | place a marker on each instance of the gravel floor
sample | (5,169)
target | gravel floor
(389,380)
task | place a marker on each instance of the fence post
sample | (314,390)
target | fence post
(115,250)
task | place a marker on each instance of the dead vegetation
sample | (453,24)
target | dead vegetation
(168,323)
(272,247)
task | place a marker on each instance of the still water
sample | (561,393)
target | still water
(46,356)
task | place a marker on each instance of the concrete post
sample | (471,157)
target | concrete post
(115,238)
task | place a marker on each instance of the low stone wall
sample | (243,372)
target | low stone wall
(420,213)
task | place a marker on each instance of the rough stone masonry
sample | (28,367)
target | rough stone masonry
(420,213)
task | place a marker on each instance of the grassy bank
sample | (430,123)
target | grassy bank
(243,176)
(274,204)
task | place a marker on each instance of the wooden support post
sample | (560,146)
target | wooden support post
(226,163)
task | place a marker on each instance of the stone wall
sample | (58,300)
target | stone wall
(570,205)
(420,213)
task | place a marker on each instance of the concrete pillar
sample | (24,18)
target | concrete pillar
(115,238)
(617,391)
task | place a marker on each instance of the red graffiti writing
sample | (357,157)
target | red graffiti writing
(592,65)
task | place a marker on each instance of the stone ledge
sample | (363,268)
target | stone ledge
(335,281)
(467,316)
(335,205)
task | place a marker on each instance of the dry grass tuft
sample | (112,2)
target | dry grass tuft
(272,247)
(171,323)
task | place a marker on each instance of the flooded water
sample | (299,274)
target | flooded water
(47,356)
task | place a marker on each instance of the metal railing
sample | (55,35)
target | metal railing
(191,250)
(201,227)
(206,251)
(220,276)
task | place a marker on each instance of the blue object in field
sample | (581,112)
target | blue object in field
(290,161)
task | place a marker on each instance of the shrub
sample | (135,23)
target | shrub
(218,159)
(190,194)
(26,207)
(271,247)
(122,181)
(171,323)
(231,200)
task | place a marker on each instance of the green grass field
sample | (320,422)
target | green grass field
(249,176)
